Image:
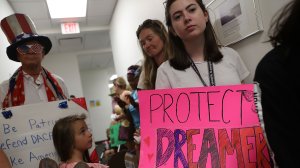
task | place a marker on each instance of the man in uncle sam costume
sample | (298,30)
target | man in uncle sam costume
(31,83)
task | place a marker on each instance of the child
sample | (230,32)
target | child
(72,139)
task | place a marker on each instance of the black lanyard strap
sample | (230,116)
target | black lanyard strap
(210,72)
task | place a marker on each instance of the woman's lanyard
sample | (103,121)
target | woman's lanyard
(210,72)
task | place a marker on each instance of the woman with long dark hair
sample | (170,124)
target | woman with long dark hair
(196,58)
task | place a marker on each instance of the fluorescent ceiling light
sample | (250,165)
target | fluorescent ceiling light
(67,8)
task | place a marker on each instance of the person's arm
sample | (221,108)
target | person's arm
(4,162)
(132,101)
(162,80)
(236,61)
(241,67)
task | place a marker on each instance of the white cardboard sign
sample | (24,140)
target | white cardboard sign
(26,137)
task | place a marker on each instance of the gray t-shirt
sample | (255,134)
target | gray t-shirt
(230,70)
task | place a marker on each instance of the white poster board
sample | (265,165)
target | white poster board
(26,137)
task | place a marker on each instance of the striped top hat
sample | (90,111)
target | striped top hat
(19,28)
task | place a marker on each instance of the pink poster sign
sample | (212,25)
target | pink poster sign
(214,127)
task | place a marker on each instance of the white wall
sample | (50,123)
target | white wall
(254,48)
(95,87)
(130,13)
(7,67)
(91,84)
(65,66)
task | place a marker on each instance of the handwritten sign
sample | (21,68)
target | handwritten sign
(26,137)
(202,127)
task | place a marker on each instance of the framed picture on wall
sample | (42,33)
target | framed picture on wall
(234,20)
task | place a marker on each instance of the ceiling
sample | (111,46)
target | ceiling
(92,44)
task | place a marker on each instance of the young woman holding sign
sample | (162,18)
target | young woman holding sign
(196,59)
